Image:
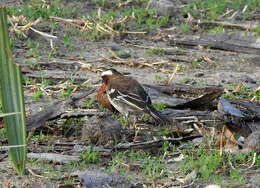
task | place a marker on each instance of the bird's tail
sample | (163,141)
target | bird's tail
(157,116)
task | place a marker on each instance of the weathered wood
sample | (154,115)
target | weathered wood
(250,45)
(83,112)
(54,157)
(152,143)
(158,97)
(202,102)
(245,26)
(238,118)
(207,118)
(37,120)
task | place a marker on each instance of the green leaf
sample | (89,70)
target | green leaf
(12,98)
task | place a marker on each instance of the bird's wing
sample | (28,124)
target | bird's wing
(130,92)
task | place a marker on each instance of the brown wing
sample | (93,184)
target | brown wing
(129,91)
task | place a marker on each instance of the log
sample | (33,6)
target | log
(234,43)
(200,98)
(54,157)
(245,26)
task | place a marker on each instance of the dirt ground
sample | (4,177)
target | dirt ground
(56,67)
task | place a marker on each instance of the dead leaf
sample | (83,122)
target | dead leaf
(226,141)
(189,177)
(7,183)
(179,158)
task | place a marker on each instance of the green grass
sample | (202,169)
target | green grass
(38,94)
(204,163)
(257,30)
(185,28)
(140,19)
(144,163)
(90,156)
(36,8)
(241,92)
(211,9)
(155,51)
(72,127)
(210,166)
(124,121)
(158,77)
(217,30)
(3,134)
(67,41)
(153,167)
(39,137)
(161,106)
(33,52)
(89,102)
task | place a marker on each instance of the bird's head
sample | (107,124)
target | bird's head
(110,73)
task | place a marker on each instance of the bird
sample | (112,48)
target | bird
(126,95)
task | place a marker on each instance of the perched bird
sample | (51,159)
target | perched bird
(126,95)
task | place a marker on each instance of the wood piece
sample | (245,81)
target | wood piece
(207,118)
(158,97)
(203,102)
(83,112)
(152,143)
(37,120)
(54,157)
(237,120)
(4,156)
(223,42)
(251,107)
(244,26)
(224,106)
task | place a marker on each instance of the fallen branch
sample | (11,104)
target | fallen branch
(37,120)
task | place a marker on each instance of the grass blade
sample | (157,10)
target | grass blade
(12,98)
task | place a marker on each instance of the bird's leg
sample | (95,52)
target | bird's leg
(135,126)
